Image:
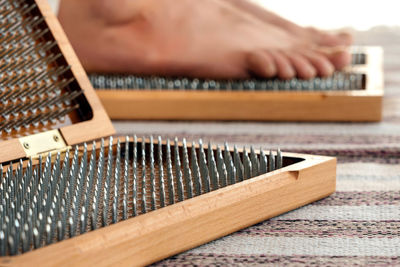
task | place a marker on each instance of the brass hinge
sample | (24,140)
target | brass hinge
(42,144)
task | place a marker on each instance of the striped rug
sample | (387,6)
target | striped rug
(359,225)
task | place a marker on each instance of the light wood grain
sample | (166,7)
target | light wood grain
(100,125)
(176,228)
(354,105)
(167,231)
(259,106)
(11,150)
(84,131)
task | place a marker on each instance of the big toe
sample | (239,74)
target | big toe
(331,39)
(338,56)
(346,38)
(328,39)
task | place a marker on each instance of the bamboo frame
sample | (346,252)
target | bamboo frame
(167,231)
(352,105)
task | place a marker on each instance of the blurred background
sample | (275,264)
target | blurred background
(371,22)
(358,14)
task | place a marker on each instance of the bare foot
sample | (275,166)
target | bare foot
(208,38)
(308,33)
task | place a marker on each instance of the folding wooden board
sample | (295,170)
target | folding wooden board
(363,104)
(152,236)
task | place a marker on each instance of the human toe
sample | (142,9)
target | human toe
(320,62)
(285,69)
(302,64)
(262,64)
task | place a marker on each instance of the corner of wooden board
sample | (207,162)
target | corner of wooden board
(165,232)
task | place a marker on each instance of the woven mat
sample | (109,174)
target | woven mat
(357,225)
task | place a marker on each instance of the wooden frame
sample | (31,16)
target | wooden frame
(353,105)
(167,231)
(164,232)
(100,124)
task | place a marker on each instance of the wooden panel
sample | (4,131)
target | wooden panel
(100,125)
(285,106)
(173,229)
(73,132)
(354,105)
(11,150)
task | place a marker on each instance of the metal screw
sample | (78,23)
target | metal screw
(56,138)
(26,145)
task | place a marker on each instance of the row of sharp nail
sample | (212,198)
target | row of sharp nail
(338,81)
(31,92)
(90,188)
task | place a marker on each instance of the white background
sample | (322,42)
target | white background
(358,14)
